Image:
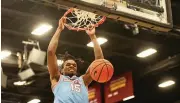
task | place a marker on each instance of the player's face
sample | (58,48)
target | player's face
(70,68)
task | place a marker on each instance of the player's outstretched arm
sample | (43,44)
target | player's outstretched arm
(97,52)
(97,49)
(51,52)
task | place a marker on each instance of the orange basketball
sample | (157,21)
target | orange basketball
(101,70)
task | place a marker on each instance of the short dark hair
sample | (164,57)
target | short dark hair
(65,58)
(68,56)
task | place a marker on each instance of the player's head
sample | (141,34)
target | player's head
(69,67)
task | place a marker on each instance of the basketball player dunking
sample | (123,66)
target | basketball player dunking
(68,88)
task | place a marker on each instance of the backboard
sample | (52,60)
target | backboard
(153,14)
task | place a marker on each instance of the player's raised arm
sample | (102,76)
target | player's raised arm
(51,52)
(97,52)
(97,49)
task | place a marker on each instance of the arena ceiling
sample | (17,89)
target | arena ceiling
(19,18)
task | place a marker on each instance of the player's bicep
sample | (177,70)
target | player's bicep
(52,65)
(87,78)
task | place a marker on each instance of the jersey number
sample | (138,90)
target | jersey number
(76,87)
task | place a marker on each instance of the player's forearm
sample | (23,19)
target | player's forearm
(54,41)
(97,49)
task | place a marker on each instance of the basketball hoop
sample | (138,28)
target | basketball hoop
(78,20)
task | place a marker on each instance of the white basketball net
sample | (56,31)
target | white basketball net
(81,19)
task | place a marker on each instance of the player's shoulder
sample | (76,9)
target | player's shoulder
(55,77)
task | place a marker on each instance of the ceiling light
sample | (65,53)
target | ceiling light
(178,30)
(41,29)
(20,83)
(146,53)
(100,41)
(60,62)
(34,101)
(127,98)
(5,53)
(166,84)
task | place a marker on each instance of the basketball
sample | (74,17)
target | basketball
(101,70)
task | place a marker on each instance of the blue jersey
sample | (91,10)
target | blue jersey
(70,90)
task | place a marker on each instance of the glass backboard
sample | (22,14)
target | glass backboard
(153,14)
